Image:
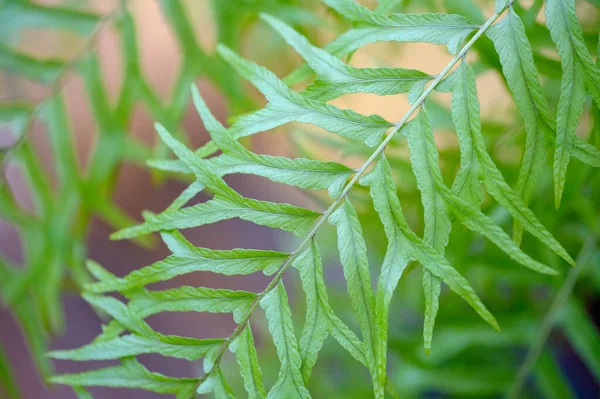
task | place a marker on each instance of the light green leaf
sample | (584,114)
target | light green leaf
(300,172)
(133,345)
(226,204)
(279,216)
(217,385)
(315,328)
(432,288)
(144,303)
(191,299)
(501,4)
(404,245)
(515,53)
(396,259)
(215,382)
(304,173)
(349,9)
(289,383)
(467,184)
(131,374)
(320,318)
(336,78)
(121,313)
(143,340)
(579,72)
(283,101)
(383,192)
(198,166)
(447,29)
(246,356)
(186,195)
(586,153)
(353,256)
(475,220)
(425,162)
(465,106)
(346,337)
(187,258)
(387,6)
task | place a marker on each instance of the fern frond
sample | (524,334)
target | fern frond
(465,107)
(130,374)
(336,78)
(464,200)
(579,73)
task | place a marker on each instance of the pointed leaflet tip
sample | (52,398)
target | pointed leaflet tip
(267,18)
(557,197)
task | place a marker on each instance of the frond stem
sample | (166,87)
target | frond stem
(359,173)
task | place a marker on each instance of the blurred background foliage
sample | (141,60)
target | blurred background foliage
(80,84)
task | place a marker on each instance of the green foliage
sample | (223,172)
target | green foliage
(54,234)
(445,253)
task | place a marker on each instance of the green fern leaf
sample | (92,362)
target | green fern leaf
(475,220)
(143,340)
(404,245)
(586,153)
(467,183)
(187,258)
(246,356)
(336,78)
(501,4)
(217,385)
(521,75)
(285,103)
(304,173)
(424,157)
(130,374)
(191,299)
(450,30)
(146,303)
(279,216)
(320,319)
(290,383)
(134,345)
(387,6)
(579,72)
(396,259)
(353,256)
(383,191)
(316,326)
(226,204)
(465,107)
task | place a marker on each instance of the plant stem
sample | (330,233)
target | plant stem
(546,327)
(359,173)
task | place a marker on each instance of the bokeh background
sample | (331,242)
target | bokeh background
(162,55)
